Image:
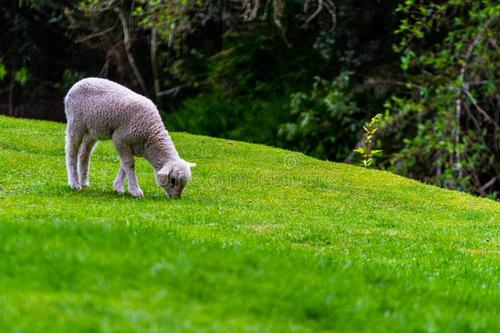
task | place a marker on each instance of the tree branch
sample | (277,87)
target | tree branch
(96,34)
(131,60)
(316,13)
(322,4)
(465,85)
(154,64)
(172,91)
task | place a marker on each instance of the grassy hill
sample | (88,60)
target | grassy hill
(263,240)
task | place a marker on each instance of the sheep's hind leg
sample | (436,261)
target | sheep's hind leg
(119,184)
(128,164)
(73,141)
(84,154)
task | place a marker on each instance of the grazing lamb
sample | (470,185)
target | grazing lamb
(99,109)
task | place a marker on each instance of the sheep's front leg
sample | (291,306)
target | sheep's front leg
(128,164)
(73,140)
(119,184)
(84,160)
(133,183)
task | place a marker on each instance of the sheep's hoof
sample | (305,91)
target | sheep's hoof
(85,185)
(75,187)
(137,194)
(119,189)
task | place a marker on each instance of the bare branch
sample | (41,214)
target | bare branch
(330,7)
(278,9)
(373,81)
(154,65)
(465,85)
(486,116)
(316,13)
(488,184)
(250,9)
(458,114)
(327,5)
(131,60)
(172,91)
(96,34)
(104,70)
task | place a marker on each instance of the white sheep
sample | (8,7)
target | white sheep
(99,109)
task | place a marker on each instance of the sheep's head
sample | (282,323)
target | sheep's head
(174,176)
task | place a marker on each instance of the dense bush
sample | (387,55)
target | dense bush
(446,123)
(325,121)
(288,73)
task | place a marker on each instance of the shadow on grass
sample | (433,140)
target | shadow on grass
(105,194)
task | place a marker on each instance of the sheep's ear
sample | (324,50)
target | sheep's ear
(191,165)
(165,170)
(163,174)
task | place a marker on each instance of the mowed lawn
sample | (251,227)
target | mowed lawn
(263,240)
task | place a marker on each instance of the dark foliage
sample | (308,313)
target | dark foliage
(287,73)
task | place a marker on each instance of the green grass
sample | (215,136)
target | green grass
(263,240)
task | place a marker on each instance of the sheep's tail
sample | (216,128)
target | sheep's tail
(67,101)
(66,106)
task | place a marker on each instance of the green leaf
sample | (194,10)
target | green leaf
(21,76)
(3,71)
(360,150)
(490,87)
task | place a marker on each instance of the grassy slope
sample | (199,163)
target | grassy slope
(264,240)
